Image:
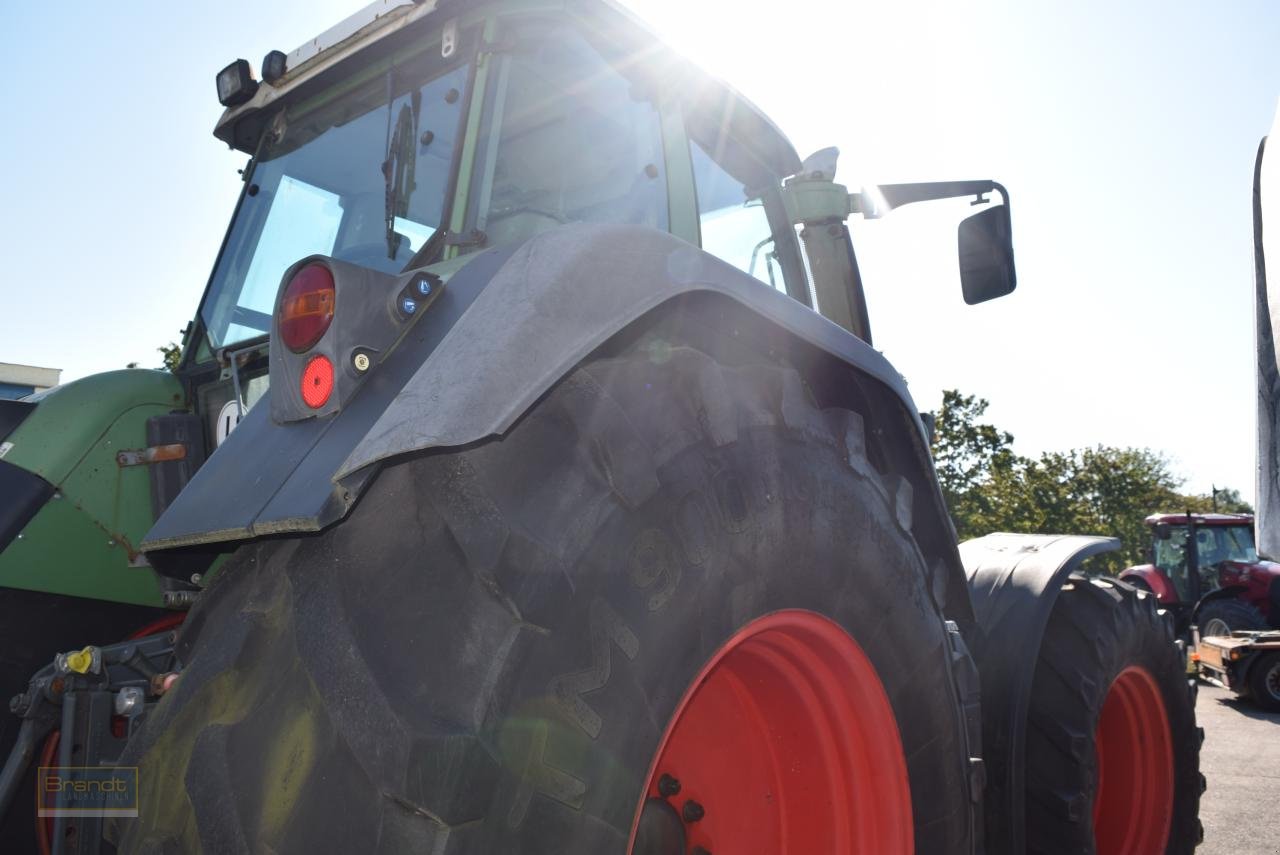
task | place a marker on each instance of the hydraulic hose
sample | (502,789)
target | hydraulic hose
(19,759)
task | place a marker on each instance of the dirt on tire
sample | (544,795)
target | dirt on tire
(484,656)
(1096,631)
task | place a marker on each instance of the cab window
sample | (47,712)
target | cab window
(1171,558)
(740,216)
(732,223)
(565,138)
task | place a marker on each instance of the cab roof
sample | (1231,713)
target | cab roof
(241,126)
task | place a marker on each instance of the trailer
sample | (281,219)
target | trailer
(1245,662)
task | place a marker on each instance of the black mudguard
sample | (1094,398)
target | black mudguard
(1014,580)
(509,325)
(22,495)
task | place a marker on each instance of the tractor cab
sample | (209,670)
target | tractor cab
(1201,559)
(436,137)
(414,138)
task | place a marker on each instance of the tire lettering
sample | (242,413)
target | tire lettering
(606,629)
(538,777)
(654,561)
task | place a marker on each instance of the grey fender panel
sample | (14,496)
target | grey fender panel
(558,298)
(1014,580)
(509,325)
(270,478)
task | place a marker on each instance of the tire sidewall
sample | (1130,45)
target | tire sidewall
(732,536)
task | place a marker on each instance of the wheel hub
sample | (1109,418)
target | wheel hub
(1133,804)
(786,742)
(1272,681)
(1216,626)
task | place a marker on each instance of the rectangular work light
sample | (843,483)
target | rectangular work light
(236,84)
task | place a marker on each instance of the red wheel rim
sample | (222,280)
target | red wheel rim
(787,741)
(1133,806)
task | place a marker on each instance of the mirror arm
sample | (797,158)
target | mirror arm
(896,195)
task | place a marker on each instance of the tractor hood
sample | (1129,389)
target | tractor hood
(1242,571)
(75,490)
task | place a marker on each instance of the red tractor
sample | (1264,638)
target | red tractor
(1205,568)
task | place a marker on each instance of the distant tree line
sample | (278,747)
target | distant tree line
(1096,490)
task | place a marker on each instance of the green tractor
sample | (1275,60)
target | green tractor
(529,484)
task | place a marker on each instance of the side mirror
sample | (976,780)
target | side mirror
(986,255)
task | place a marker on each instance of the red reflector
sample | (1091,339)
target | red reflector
(317,381)
(306,310)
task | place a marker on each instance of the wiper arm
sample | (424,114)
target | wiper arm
(429,252)
(398,169)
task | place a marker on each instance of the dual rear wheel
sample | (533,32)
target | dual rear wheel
(676,609)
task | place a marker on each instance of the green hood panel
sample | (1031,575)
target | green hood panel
(70,419)
(83,541)
(65,551)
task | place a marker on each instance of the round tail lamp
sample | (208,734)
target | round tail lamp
(306,310)
(317,381)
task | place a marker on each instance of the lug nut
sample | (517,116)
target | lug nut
(668,786)
(692,811)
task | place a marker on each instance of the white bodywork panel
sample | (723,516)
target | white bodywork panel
(1267,249)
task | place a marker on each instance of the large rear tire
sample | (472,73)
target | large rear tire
(1113,751)
(486,656)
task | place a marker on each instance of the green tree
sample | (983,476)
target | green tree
(172,354)
(1223,500)
(1109,491)
(970,456)
(1100,490)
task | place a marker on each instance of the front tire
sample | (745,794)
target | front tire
(486,655)
(1113,751)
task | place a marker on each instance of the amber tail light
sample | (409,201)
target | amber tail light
(306,309)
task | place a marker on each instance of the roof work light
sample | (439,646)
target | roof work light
(236,84)
(273,66)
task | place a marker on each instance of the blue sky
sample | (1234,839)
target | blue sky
(1125,133)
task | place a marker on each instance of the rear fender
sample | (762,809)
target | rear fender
(1160,584)
(507,327)
(1014,580)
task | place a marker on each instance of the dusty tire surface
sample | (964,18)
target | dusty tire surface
(1096,631)
(484,656)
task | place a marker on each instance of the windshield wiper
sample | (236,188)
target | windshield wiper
(398,168)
